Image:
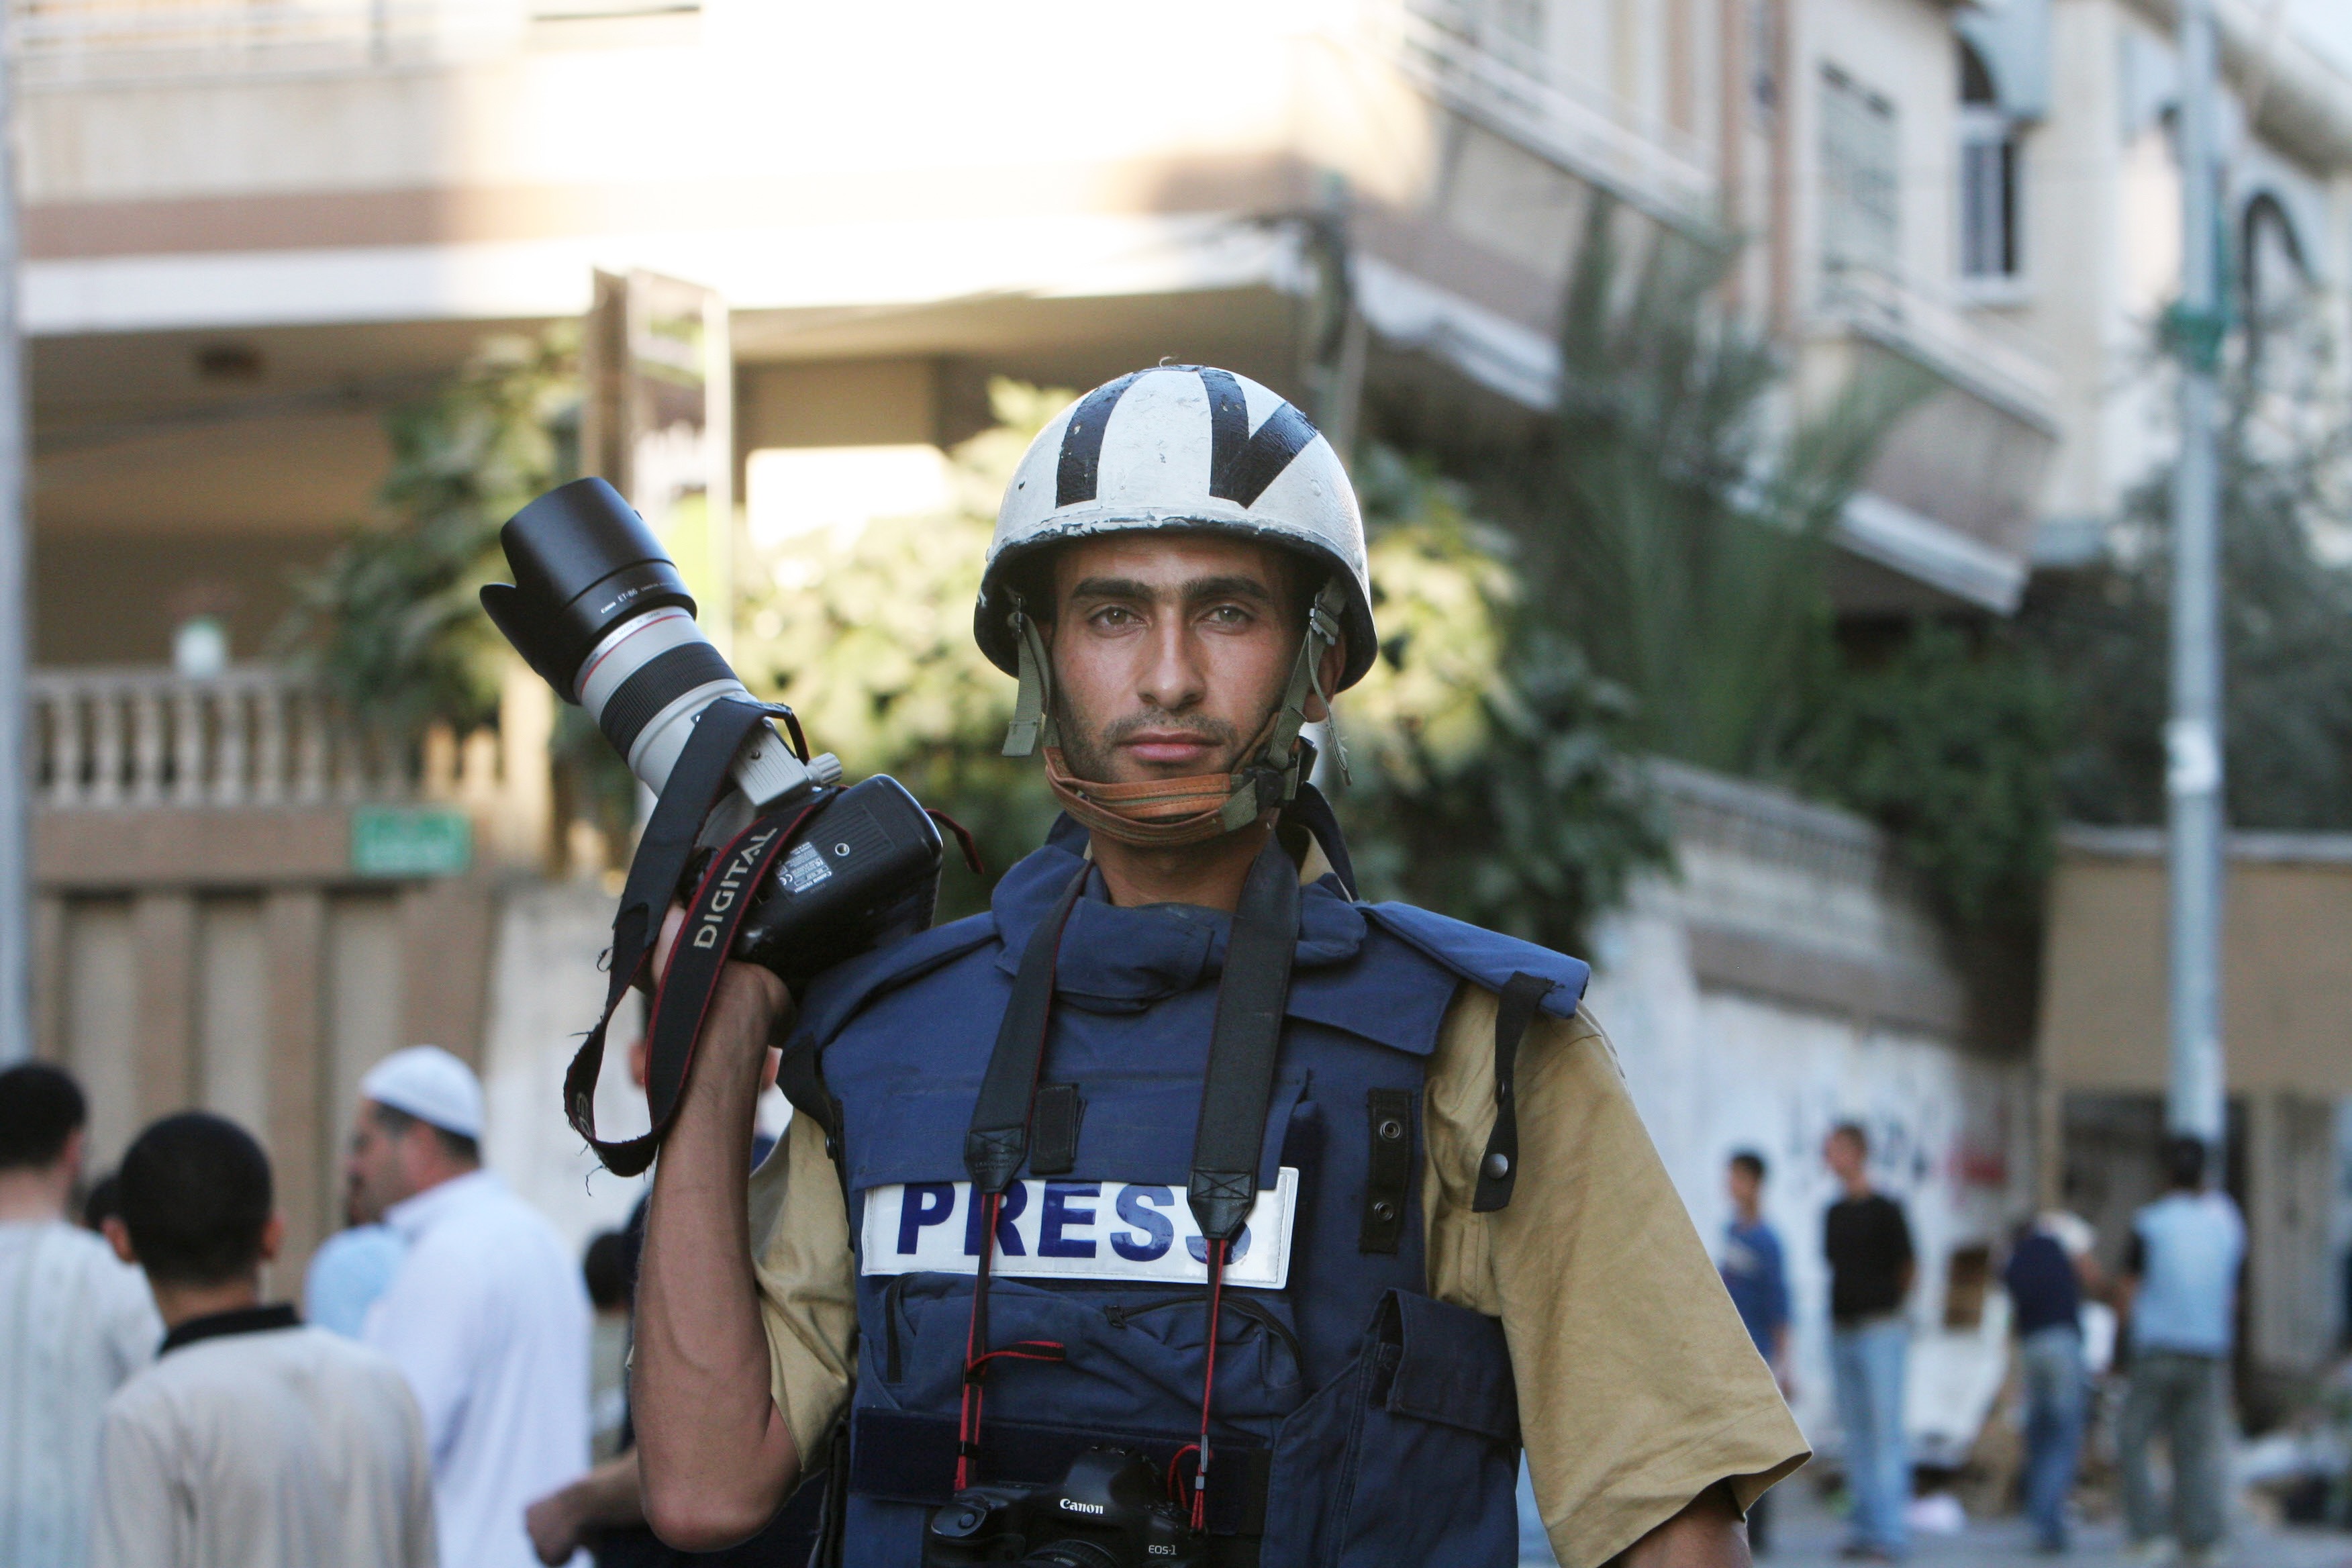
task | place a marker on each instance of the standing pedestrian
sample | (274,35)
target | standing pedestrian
(486,1314)
(2179,1290)
(1755,1271)
(74,1321)
(2046,1295)
(254,1441)
(1868,1244)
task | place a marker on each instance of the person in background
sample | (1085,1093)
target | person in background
(1756,1273)
(2178,1291)
(74,1321)
(485,1315)
(605,1271)
(2046,1295)
(348,1271)
(1867,1241)
(254,1441)
(99,1205)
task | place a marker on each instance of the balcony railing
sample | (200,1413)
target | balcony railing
(1991,356)
(1506,83)
(250,736)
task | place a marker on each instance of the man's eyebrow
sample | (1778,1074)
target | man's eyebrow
(1227,587)
(1230,588)
(1111,588)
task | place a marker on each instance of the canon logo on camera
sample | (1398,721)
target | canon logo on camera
(1076,1507)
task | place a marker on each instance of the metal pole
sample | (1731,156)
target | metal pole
(2193,737)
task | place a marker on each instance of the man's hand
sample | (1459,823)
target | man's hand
(715,1457)
(1709,1534)
(559,1522)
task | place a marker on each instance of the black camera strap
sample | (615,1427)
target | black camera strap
(695,782)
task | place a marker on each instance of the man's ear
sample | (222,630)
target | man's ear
(273,1237)
(117,1235)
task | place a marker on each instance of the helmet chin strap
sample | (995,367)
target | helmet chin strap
(1166,814)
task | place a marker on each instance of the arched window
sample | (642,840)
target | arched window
(2273,279)
(1991,251)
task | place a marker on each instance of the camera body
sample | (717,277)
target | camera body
(598,609)
(1109,1511)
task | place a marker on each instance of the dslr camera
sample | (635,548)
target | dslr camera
(1109,1511)
(598,609)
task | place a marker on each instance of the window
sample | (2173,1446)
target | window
(1989,252)
(1859,217)
(2272,272)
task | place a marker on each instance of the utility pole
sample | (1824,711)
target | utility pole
(2193,749)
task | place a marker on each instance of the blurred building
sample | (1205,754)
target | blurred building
(253,227)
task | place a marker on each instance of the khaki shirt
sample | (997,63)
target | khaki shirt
(1638,1386)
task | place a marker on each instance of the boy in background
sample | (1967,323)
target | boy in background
(254,1441)
(1755,1271)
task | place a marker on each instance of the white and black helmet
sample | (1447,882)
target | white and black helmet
(1188,448)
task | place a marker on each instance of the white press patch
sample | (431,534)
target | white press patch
(1074,1230)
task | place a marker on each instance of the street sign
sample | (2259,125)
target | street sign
(410,841)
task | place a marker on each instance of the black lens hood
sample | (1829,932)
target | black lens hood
(584,561)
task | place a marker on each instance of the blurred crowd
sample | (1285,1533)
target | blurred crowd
(2174,1296)
(451,1389)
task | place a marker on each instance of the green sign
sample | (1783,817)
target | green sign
(410,841)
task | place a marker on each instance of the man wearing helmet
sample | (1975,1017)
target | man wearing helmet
(1181,1149)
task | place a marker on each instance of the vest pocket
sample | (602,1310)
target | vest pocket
(1411,1455)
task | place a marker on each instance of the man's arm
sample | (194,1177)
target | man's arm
(1649,1418)
(716,1459)
(1709,1534)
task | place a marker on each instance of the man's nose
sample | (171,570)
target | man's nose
(1170,679)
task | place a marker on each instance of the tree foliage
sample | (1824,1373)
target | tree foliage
(391,622)
(1948,742)
(1490,778)
(2286,626)
(1674,517)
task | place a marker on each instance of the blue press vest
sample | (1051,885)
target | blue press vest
(1358,1419)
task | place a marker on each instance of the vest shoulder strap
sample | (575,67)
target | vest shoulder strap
(1486,959)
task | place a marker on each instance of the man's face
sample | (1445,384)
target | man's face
(377,1172)
(1746,1190)
(1170,652)
(1844,1156)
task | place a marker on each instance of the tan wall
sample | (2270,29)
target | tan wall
(2287,975)
(227,959)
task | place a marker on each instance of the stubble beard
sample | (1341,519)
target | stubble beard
(1088,752)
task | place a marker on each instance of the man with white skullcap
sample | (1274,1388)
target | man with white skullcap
(487,1316)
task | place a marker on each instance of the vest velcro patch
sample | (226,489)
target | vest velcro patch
(1059,1229)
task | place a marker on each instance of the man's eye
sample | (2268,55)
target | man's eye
(1229,616)
(1113,615)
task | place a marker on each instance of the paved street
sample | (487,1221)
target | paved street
(1808,1537)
